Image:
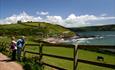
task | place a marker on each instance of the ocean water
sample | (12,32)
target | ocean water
(101,38)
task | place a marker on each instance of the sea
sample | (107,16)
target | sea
(100,38)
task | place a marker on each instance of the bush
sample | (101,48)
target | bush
(30,64)
(4,45)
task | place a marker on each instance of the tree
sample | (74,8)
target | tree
(19,21)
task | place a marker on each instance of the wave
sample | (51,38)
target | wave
(86,40)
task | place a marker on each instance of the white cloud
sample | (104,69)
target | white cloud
(24,17)
(85,20)
(42,13)
(54,19)
(71,21)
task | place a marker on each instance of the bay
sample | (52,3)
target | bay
(101,38)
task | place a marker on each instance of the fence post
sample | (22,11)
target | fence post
(24,54)
(40,51)
(75,63)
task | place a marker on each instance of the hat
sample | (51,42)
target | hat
(13,38)
(23,37)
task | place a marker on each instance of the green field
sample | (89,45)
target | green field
(68,52)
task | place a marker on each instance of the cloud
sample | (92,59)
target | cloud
(87,20)
(24,17)
(71,21)
(54,19)
(42,13)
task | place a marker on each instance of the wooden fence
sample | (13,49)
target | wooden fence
(74,59)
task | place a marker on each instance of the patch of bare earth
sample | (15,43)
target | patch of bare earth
(6,64)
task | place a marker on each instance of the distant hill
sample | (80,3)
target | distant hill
(33,28)
(95,28)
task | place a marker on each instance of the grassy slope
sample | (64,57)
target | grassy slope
(28,28)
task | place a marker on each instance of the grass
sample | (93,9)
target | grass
(68,52)
(88,55)
(32,28)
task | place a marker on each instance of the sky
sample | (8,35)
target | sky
(68,13)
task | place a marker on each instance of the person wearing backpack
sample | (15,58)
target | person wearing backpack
(20,46)
(13,48)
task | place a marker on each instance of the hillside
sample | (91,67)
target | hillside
(33,28)
(95,28)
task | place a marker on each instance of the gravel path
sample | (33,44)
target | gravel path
(6,64)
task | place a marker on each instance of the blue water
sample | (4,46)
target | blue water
(102,38)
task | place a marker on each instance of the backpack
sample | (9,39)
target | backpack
(20,43)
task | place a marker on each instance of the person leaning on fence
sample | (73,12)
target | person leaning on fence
(13,48)
(20,46)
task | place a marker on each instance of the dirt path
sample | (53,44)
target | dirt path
(6,64)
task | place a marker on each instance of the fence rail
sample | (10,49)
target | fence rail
(96,46)
(74,59)
(72,46)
